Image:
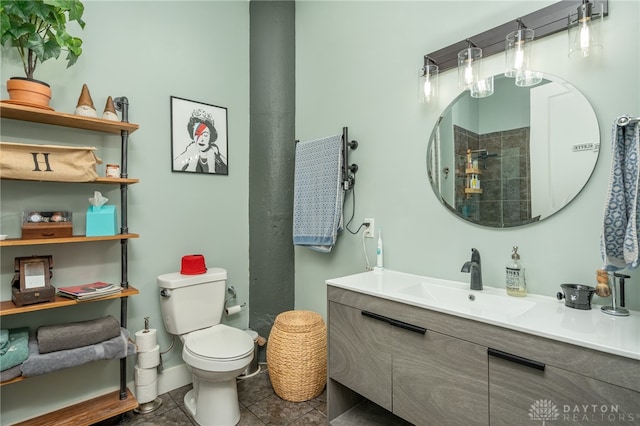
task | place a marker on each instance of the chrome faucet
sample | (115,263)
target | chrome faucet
(473,266)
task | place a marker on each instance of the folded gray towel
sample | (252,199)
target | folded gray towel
(10,373)
(53,338)
(38,363)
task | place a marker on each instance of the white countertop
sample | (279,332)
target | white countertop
(548,317)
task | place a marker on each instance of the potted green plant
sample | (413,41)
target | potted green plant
(37,29)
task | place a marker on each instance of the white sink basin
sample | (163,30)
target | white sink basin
(489,303)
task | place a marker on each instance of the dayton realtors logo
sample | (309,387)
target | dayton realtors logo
(546,410)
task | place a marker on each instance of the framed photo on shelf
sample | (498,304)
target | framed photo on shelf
(34,271)
(199,139)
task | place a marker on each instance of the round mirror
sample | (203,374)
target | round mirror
(515,157)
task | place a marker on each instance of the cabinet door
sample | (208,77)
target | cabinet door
(360,353)
(439,380)
(519,394)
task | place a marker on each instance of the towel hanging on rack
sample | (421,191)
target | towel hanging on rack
(318,195)
(619,241)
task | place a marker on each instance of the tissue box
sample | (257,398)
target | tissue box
(101,221)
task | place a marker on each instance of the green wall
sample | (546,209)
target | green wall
(361,72)
(147,51)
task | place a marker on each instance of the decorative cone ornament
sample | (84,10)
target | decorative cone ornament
(85,104)
(110,111)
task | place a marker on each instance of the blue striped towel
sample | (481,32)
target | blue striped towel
(318,195)
(619,241)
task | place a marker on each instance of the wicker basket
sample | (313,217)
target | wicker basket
(297,355)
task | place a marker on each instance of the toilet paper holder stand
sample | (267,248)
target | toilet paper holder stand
(148,407)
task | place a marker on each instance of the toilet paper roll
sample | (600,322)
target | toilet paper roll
(146,340)
(232,310)
(145,376)
(147,393)
(149,359)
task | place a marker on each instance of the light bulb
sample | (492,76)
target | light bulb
(468,74)
(519,57)
(584,36)
(427,89)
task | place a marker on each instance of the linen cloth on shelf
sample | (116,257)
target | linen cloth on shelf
(17,350)
(53,338)
(37,363)
(619,240)
(318,195)
(10,373)
(4,340)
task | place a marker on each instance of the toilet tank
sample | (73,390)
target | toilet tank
(192,302)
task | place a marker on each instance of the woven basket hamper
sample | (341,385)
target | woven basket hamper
(297,355)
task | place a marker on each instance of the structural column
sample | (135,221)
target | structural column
(271,162)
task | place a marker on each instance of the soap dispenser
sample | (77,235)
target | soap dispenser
(516,284)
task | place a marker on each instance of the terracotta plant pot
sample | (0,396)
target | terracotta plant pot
(33,93)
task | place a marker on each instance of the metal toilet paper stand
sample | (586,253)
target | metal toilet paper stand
(150,406)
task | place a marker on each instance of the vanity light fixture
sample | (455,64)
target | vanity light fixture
(546,21)
(469,66)
(584,30)
(428,81)
(518,56)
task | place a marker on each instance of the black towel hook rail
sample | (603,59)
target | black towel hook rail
(348,170)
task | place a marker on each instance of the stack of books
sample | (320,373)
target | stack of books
(89,291)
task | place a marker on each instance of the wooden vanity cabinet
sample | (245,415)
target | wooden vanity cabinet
(464,372)
(419,375)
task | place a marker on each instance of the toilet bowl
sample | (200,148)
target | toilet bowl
(216,356)
(215,353)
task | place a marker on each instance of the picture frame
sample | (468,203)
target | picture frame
(199,137)
(34,272)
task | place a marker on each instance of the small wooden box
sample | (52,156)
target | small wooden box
(54,224)
(32,296)
(47,230)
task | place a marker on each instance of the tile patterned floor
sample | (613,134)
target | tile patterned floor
(259,405)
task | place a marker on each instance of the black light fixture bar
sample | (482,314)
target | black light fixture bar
(546,21)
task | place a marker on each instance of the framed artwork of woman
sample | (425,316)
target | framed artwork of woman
(199,142)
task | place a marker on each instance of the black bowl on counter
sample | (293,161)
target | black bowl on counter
(577,296)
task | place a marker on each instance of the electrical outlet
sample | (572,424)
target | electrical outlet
(369,231)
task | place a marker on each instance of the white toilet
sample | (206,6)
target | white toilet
(192,307)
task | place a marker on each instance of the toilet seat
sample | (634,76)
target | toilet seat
(217,348)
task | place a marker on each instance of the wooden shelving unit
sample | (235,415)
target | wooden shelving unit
(101,180)
(64,240)
(8,308)
(37,115)
(86,413)
(106,406)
